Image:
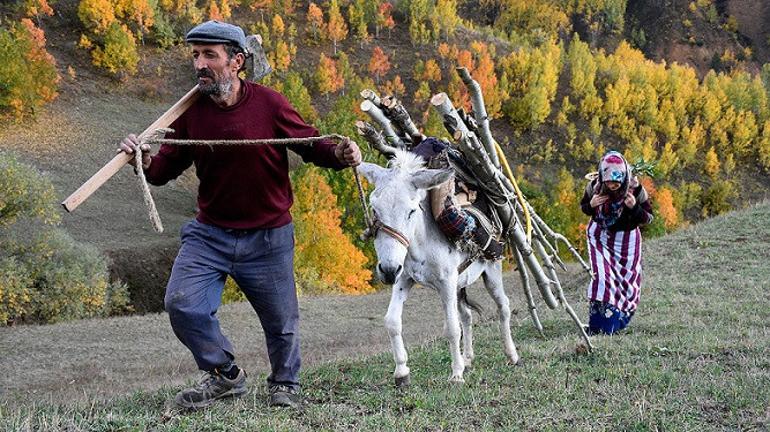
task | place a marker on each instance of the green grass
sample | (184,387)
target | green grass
(696,357)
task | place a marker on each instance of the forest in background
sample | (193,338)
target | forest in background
(564,81)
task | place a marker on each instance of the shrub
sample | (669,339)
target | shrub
(28,76)
(716,199)
(45,275)
(119,54)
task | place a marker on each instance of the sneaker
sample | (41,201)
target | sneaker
(284,396)
(211,387)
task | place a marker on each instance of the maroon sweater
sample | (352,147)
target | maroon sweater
(244,186)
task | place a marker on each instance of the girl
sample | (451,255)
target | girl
(618,205)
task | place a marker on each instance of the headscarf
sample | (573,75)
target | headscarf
(613,167)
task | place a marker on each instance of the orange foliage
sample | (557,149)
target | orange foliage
(337,28)
(378,64)
(394,87)
(465,59)
(37,7)
(315,19)
(214,13)
(649,186)
(327,77)
(484,74)
(324,255)
(431,72)
(666,209)
(384,18)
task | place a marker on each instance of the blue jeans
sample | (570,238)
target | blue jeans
(607,319)
(262,264)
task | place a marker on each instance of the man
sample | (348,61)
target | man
(243,227)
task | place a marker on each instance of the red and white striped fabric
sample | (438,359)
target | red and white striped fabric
(616,261)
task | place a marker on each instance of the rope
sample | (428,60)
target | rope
(272,141)
(363,202)
(519,195)
(150,203)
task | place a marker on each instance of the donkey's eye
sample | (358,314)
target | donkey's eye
(411,213)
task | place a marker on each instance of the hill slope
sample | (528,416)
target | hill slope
(697,356)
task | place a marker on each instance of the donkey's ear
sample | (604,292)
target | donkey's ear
(430,178)
(372,172)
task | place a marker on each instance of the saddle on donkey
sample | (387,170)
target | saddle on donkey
(462,211)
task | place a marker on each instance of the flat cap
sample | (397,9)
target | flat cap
(213,32)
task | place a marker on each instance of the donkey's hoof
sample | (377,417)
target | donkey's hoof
(403,382)
(457,380)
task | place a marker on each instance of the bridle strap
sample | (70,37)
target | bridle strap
(377,225)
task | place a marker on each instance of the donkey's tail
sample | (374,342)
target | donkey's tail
(462,296)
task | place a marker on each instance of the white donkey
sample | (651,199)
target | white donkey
(411,249)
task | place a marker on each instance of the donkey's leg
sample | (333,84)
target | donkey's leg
(466,320)
(493,282)
(448,293)
(393,325)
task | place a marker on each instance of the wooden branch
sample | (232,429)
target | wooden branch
(480,114)
(379,117)
(121,159)
(396,112)
(370,95)
(527,291)
(375,139)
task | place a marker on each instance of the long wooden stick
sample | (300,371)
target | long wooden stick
(121,159)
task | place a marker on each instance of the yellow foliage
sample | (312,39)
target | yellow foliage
(96,15)
(324,255)
(711,163)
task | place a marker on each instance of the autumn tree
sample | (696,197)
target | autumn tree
(420,12)
(444,18)
(711,163)
(393,87)
(328,80)
(379,64)
(119,55)
(28,76)
(358,21)
(315,20)
(96,15)
(337,28)
(326,259)
(384,19)
(293,87)
(35,8)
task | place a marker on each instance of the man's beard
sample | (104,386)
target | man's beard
(220,88)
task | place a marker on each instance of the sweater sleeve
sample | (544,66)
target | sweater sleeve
(641,214)
(585,203)
(290,124)
(171,160)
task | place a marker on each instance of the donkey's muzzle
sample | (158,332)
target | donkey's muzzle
(388,274)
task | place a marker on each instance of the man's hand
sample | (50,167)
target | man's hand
(630,200)
(598,200)
(129,146)
(348,152)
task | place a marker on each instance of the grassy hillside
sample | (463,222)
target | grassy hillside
(697,357)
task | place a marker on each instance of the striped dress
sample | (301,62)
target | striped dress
(616,262)
(615,252)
